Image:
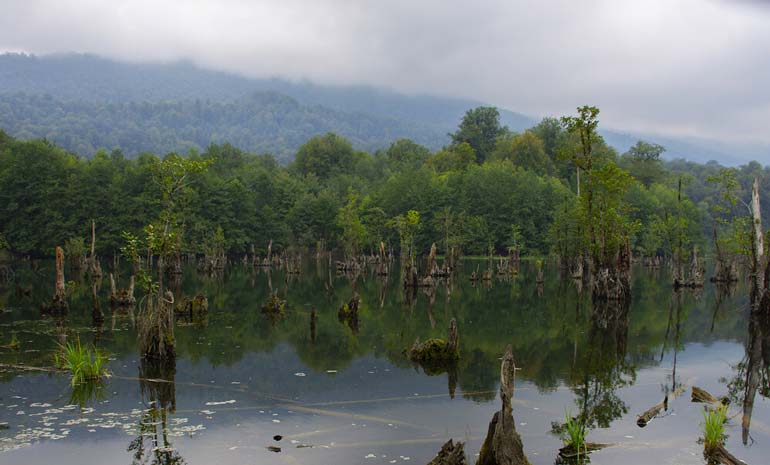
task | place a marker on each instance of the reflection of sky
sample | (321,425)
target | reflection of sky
(372,407)
(375,403)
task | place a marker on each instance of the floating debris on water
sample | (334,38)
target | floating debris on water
(221,403)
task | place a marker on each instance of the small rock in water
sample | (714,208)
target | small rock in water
(274,449)
(277,437)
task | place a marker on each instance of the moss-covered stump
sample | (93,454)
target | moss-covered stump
(432,350)
(348,312)
(124,297)
(195,306)
(435,350)
(274,307)
(451,453)
(192,310)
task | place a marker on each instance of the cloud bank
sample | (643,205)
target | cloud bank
(683,67)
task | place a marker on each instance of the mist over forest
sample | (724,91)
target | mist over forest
(85,103)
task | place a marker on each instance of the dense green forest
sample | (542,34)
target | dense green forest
(261,122)
(489,189)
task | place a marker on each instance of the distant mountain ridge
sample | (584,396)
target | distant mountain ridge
(370,117)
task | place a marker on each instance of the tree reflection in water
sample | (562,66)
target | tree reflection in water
(602,368)
(152,445)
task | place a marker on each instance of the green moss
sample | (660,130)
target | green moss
(433,350)
(344,312)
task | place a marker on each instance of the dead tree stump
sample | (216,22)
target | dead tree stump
(58,305)
(503,445)
(451,453)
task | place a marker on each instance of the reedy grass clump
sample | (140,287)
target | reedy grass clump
(574,434)
(85,364)
(714,427)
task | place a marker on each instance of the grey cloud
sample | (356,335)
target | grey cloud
(689,67)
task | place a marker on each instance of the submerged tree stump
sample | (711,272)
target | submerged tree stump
(313,323)
(274,307)
(58,305)
(721,455)
(94,267)
(503,445)
(451,453)
(411,279)
(194,309)
(540,279)
(156,328)
(123,298)
(97,316)
(348,312)
(436,350)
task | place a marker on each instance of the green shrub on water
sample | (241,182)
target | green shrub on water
(574,434)
(85,364)
(714,427)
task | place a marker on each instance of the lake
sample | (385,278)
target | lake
(346,394)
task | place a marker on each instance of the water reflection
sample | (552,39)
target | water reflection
(566,346)
(752,374)
(602,366)
(158,392)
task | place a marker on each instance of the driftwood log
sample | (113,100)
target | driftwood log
(648,415)
(703,396)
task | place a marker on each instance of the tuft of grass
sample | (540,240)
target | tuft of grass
(574,434)
(714,427)
(85,364)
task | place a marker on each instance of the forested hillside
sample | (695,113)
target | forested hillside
(259,123)
(84,103)
(489,189)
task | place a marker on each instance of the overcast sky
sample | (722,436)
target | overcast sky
(680,67)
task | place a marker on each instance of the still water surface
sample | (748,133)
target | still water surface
(349,396)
